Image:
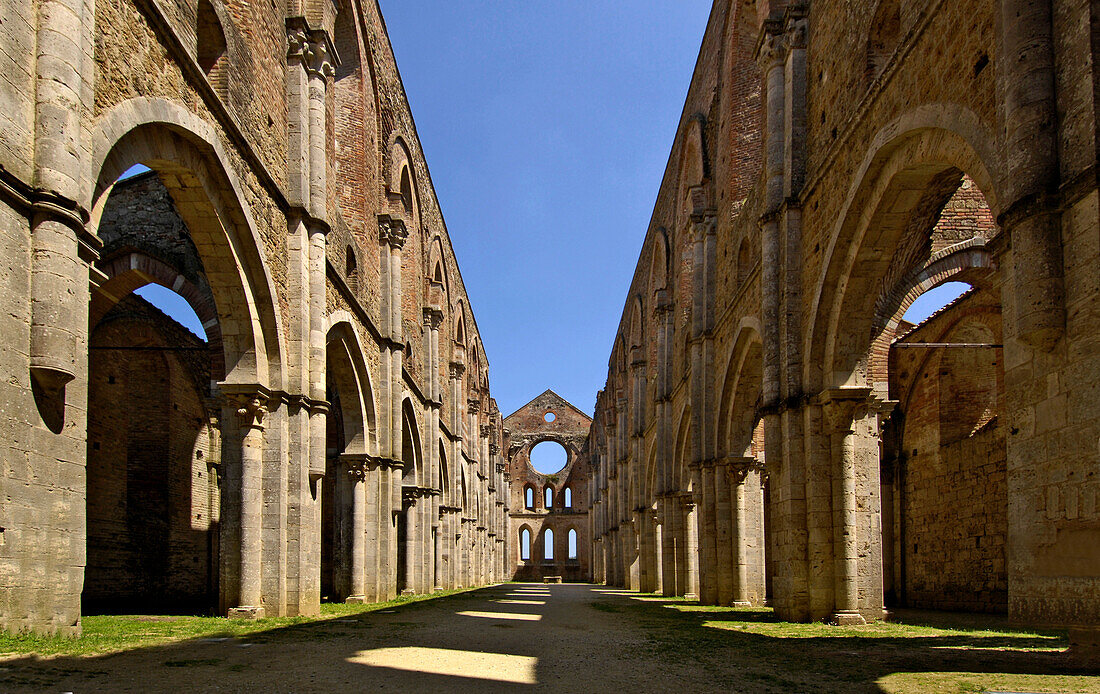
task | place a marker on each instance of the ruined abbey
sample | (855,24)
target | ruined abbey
(772,430)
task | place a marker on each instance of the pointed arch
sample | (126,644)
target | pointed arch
(349,376)
(906,155)
(188,155)
(411,452)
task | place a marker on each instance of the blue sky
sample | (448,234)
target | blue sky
(546,127)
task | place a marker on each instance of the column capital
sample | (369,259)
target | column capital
(312,47)
(251,401)
(841,404)
(433,317)
(457,369)
(486,430)
(392,231)
(771,47)
(473,405)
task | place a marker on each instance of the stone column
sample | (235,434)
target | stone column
(725,537)
(59,288)
(842,408)
(703,482)
(691,548)
(747,531)
(251,409)
(1031,220)
(357,474)
(411,511)
(657,521)
(668,512)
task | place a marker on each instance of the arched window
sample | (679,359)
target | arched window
(884,39)
(572,544)
(549,498)
(548,544)
(525,544)
(568,498)
(529,498)
(210,46)
(351,269)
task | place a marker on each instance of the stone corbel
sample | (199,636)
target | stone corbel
(473,405)
(251,403)
(358,465)
(457,370)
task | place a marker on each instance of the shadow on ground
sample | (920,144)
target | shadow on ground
(517,637)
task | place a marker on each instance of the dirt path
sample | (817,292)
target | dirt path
(513,637)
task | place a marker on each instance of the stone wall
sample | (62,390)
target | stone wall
(152,482)
(951,496)
(548,418)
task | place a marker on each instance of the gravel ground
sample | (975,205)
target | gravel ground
(512,637)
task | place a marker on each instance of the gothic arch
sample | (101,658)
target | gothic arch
(412,454)
(130,271)
(904,159)
(347,371)
(186,151)
(741,387)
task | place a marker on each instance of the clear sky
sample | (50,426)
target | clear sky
(547,127)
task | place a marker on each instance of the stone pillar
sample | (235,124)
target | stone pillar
(251,409)
(411,511)
(703,484)
(1031,220)
(667,514)
(853,478)
(357,475)
(59,287)
(725,538)
(691,548)
(747,537)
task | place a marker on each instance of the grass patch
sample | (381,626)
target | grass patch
(750,649)
(115,633)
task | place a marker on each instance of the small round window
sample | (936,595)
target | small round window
(549,417)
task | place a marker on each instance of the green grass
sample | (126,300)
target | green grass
(750,649)
(113,633)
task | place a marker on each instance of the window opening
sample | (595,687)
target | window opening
(548,544)
(572,543)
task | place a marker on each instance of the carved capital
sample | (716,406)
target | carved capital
(486,431)
(251,407)
(797,32)
(457,369)
(433,318)
(773,48)
(842,405)
(311,47)
(473,405)
(392,231)
(494,449)
(357,469)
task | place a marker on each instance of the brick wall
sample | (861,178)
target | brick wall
(152,500)
(950,482)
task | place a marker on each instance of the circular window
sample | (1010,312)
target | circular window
(548,457)
(549,416)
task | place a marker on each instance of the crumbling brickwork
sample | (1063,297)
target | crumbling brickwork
(548,418)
